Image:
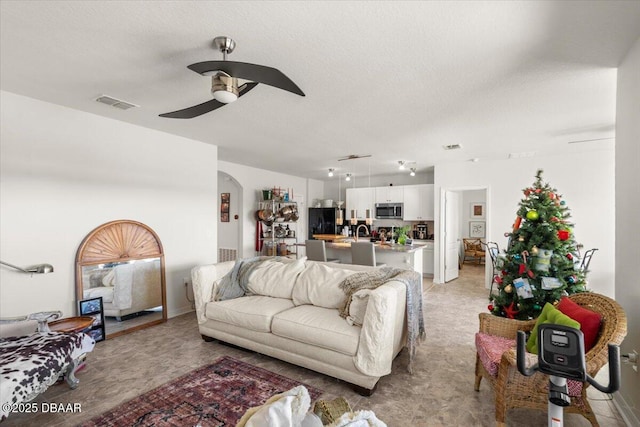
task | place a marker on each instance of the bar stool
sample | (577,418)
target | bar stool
(316,251)
(363,253)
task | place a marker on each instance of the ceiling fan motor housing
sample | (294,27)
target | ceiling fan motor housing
(224,88)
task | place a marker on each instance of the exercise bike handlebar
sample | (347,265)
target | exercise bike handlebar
(614,365)
(520,356)
(614,372)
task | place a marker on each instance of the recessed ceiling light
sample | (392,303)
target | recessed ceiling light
(474,160)
(452,147)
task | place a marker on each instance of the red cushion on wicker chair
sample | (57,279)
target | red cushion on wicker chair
(490,349)
(589,320)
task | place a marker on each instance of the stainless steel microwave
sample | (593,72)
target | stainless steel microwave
(388,210)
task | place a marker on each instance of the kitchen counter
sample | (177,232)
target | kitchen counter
(379,247)
(399,256)
(329,237)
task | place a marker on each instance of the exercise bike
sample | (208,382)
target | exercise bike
(561,356)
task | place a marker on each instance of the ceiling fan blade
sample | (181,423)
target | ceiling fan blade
(205,107)
(243,70)
(354,156)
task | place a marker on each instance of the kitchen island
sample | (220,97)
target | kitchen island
(407,257)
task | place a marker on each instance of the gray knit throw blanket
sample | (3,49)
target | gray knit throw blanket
(413,282)
(234,283)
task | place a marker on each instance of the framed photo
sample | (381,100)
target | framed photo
(224,206)
(477,210)
(93,308)
(476,229)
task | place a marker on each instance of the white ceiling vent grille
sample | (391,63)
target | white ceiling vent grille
(117,103)
(521,155)
(452,147)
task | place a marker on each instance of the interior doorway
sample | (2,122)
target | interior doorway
(465,215)
(229,218)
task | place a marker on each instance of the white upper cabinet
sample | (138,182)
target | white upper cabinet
(359,200)
(418,203)
(389,194)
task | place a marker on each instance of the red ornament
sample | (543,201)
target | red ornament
(527,192)
(554,219)
(563,234)
(552,195)
(521,269)
(510,311)
(498,280)
(538,190)
(570,256)
(490,307)
(516,224)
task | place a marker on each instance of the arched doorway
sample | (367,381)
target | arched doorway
(230,225)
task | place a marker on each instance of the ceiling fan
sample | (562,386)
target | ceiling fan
(354,156)
(224,84)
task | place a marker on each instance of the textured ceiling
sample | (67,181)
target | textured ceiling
(397,80)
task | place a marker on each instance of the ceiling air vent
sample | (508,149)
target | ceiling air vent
(452,147)
(117,103)
(521,155)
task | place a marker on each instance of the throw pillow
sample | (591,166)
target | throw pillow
(551,315)
(589,320)
(358,307)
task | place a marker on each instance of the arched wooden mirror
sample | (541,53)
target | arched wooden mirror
(123,262)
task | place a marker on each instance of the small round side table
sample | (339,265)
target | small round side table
(71,324)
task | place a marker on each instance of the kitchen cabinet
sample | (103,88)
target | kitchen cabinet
(359,199)
(389,194)
(418,202)
(427,257)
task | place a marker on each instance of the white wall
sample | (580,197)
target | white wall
(64,172)
(585,180)
(628,223)
(253,181)
(468,198)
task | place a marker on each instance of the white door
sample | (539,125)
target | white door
(451,235)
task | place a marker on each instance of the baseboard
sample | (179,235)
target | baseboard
(625,411)
(179,312)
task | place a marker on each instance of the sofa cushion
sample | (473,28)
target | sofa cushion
(318,284)
(318,326)
(252,312)
(274,278)
(490,349)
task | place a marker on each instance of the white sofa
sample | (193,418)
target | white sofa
(293,316)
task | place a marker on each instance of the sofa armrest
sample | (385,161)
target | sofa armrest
(205,280)
(382,329)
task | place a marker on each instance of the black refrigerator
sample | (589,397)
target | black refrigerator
(323,221)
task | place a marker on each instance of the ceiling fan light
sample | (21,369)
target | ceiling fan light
(224,88)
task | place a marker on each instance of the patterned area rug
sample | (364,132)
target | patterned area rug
(216,395)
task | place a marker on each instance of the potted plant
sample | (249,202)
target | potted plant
(402,234)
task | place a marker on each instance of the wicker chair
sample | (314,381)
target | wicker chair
(513,390)
(473,250)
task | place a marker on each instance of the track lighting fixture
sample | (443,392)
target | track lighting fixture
(401,165)
(330,172)
(347,177)
(413,172)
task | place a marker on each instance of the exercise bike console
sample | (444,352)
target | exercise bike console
(562,357)
(561,352)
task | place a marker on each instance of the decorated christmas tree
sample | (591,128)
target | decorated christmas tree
(539,265)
